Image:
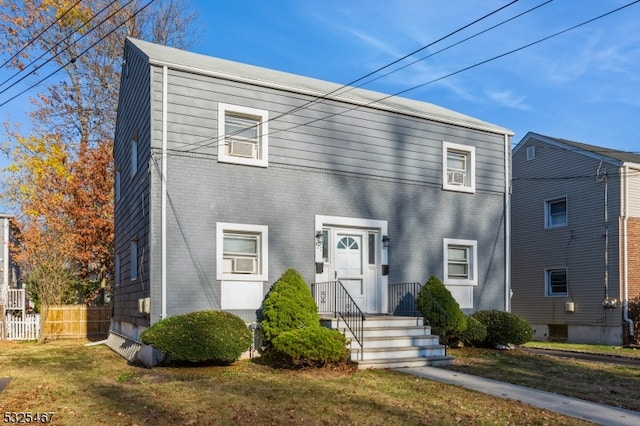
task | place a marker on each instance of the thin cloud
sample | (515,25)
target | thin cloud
(508,99)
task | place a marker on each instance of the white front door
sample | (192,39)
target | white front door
(349,264)
(350,250)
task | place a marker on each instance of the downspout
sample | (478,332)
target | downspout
(163,200)
(625,254)
(507,224)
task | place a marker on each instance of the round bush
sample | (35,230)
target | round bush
(474,334)
(289,305)
(212,336)
(504,328)
(440,310)
(311,346)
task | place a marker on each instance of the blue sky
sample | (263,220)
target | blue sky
(582,85)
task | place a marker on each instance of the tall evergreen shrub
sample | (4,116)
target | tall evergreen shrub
(440,310)
(289,305)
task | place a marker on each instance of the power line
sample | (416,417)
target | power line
(58,44)
(350,86)
(33,40)
(81,53)
(215,141)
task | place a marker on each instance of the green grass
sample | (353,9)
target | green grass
(93,385)
(593,381)
(576,347)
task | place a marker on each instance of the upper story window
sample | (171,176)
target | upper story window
(556,282)
(242,135)
(555,213)
(460,261)
(242,252)
(458,167)
(531,153)
(134,154)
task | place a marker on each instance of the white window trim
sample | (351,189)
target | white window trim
(547,224)
(473,261)
(223,157)
(221,228)
(547,284)
(471,152)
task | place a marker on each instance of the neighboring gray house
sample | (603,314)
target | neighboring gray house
(228,174)
(576,240)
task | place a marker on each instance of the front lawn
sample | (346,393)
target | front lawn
(94,385)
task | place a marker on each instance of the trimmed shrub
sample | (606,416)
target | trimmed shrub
(474,334)
(440,310)
(311,346)
(289,305)
(202,336)
(504,328)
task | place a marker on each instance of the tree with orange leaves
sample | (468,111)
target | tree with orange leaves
(60,182)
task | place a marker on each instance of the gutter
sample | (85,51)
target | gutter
(163,201)
(507,223)
(625,256)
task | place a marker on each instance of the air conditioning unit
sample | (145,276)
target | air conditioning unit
(455,178)
(245,265)
(242,149)
(144,305)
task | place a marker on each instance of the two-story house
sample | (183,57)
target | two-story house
(228,174)
(576,240)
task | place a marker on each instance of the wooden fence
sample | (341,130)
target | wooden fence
(77,322)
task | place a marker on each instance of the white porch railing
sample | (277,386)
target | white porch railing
(16,299)
(25,327)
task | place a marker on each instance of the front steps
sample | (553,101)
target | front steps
(393,342)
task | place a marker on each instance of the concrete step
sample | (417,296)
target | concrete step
(398,352)
(377,321)
(400,341)
(405,362)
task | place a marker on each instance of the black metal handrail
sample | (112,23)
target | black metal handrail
(332,298)
(403,299)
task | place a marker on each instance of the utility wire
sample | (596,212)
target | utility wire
(494,58)
(58,44)
(33,40)
(351,86)
(81,53)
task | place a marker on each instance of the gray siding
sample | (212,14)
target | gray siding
(132,209)
(634,192)
(419,218)
(580,246)
(328,158)
(324,135)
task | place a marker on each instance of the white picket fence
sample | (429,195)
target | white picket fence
(21,328)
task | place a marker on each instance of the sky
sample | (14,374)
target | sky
(582,85)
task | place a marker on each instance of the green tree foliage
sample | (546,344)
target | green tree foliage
(60,181)
(289,305)
(440,310)
(504,328)
(201,336)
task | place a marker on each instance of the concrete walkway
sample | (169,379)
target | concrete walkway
(591,411)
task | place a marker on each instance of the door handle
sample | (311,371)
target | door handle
(335,275)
